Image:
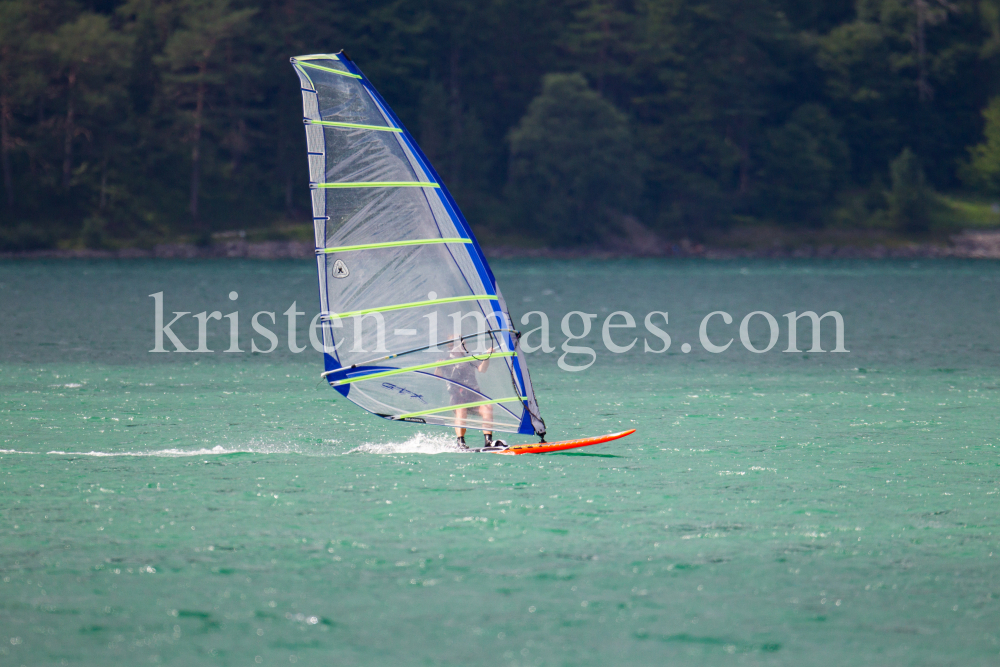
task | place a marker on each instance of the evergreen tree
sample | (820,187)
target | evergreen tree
(131,120)
(15,60)
(195,56)
(706,78)
(804,163)
(86,74)
(910,197)
(571,163)
(891,78)
(983,169)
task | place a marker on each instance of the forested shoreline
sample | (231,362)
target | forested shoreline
(135,123)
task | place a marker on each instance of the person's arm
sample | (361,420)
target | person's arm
(486,363)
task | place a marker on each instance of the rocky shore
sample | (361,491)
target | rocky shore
(238,249)
(969,245)
(640,243)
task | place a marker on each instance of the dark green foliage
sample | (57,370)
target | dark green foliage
(135,121)
(24,236)
(906,73)
(572,165)
(910,197)
(804,165)
(983,168)
(95,232)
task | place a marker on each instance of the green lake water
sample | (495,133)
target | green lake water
(771,509)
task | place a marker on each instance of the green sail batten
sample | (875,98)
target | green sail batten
(389,244)
(377,184)
(318,56)
(463,406)
(329,69)
(421,367)
(304,73)
(356,126)
(415,304)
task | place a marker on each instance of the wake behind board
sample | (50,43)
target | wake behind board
(545,447)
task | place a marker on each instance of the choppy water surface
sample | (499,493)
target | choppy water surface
(772,509)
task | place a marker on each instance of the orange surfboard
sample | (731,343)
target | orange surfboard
(542,448)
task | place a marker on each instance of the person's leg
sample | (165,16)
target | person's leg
(460,430)
(486,412)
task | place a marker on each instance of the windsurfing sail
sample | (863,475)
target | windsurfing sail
(414,326)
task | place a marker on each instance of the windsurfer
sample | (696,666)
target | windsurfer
(463,388)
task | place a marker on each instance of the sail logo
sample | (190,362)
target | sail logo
(340,269)
(404,391)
